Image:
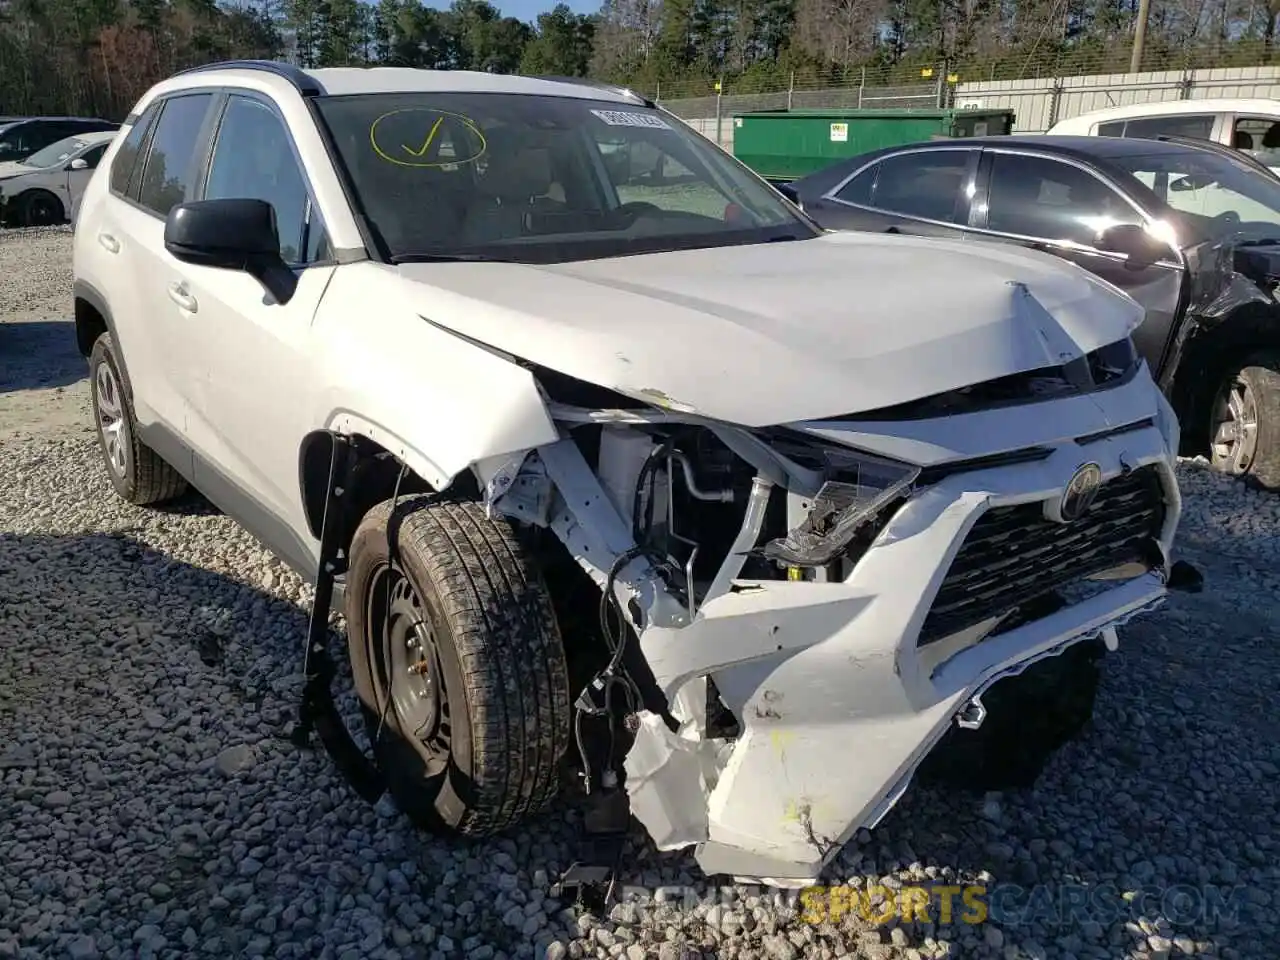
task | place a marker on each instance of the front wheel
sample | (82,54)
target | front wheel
(459,665)
(39,208)
(1244,421)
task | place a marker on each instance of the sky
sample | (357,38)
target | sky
(528,10)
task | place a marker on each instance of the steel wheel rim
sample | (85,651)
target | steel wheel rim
(410,678)
(1234,440)
(112,426)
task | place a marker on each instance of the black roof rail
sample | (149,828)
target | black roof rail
(305,84)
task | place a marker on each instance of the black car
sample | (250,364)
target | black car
(21,138)
(1190,230)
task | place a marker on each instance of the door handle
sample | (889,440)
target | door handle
(109,243)
(180,295)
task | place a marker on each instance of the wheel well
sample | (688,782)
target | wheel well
(34,191)
(90,325)
(377,471)
(1207,357)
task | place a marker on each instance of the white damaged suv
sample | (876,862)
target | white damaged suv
(598,441)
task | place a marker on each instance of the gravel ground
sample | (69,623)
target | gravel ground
(150,805)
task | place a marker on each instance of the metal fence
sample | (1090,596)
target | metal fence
(1037,103)
(713,116)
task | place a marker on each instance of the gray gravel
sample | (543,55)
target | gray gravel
(150,805)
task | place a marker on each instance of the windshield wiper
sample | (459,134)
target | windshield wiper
(447,258)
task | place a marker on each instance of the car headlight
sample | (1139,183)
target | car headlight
(859,487)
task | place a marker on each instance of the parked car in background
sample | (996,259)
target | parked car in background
(1251,125)
(23,137)
(46,187)
(1190,230)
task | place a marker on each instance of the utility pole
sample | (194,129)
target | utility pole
(1139,35)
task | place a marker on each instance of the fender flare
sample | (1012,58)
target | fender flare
(84,290)
(317,448)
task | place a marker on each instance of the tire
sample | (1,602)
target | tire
(487,754)
(1247,401)
(137,472)
(1030,717)
(39,208)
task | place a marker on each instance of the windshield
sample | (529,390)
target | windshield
(1214,196)
(543,179)
(55,153)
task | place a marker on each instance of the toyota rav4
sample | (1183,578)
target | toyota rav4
(613,460)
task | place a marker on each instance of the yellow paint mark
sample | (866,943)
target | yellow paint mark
(780,739)
(437,117)
(426,145)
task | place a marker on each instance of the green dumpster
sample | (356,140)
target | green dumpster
(783,145)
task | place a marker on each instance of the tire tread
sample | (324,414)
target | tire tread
(509,646)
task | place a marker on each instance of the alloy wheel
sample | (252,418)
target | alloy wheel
(1234,428)
(112,425)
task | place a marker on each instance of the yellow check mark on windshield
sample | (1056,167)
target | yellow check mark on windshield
(426,143)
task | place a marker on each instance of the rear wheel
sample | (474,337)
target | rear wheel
(137,472)
(1244,421)
(459,665)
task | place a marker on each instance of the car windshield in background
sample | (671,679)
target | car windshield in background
(55,153)
(1215,196)
(543,179)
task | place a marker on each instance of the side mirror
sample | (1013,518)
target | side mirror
(79,163)
(1192,181)
(1140,246)
(231,234)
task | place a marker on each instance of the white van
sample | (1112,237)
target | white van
(1249,125)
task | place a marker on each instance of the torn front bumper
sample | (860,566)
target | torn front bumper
(837,700)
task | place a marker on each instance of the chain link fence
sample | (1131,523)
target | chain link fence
(1040,90)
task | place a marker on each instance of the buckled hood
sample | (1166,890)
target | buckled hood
(790,331)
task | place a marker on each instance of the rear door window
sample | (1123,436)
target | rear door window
(169,169)
(928,184)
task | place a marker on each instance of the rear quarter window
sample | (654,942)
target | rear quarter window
(126,158)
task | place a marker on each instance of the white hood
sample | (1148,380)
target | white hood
(782,332)
(14,169)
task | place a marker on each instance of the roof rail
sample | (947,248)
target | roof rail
(305,84)
(599,85)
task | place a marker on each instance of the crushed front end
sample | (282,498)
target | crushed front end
(816,604)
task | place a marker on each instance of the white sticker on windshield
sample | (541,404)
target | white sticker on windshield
(621,118)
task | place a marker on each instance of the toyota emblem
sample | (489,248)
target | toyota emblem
(1080,492)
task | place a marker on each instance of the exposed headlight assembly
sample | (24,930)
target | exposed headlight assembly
(861,487)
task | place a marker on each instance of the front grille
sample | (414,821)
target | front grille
(1014,555)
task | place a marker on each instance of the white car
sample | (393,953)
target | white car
(596,459)
(46,187)
(1250,125)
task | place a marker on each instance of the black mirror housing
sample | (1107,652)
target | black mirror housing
(231,234)
(1129,238)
